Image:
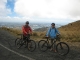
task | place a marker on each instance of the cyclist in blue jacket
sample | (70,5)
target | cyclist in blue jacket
(52,33)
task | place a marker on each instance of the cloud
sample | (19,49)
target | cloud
(48,8)
(40,11)
(35,20)
(14,19)
(3,10)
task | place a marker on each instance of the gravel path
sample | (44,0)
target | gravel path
(8,51)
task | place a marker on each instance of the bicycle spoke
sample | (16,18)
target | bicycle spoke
(62,48)
(31,46)
(42,45)
(18,43)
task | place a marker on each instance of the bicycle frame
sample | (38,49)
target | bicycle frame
(27,37)
(60,47)
(29,43)
(54,41)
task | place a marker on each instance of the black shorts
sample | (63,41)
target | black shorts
(25,38)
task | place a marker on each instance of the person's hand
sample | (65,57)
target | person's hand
(46,36)
(58,34)
(31,34)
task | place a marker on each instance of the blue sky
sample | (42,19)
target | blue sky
(46,11)
(10,4)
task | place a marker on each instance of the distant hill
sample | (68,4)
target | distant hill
(74,26)
(42,29)
(46,28)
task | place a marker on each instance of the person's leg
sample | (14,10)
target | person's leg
(24,38)
(54,47)
(51,41)
(25,42)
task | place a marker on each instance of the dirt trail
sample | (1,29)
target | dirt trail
(7,40)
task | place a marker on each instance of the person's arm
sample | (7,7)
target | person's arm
(23,30)
(30,30)
(58,33)
(48,32)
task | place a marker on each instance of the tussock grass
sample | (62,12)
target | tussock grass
(35,36)
(70,32)
(71,36)
(12,30)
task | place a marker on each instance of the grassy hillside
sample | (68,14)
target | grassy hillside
(74,26)
(37,35)
(70,32)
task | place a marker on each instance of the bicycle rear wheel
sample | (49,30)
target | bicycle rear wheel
(31,45)
(62,48)
(42,45)
(18,42)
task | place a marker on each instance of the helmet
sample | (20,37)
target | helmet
(27,22)
(53,24)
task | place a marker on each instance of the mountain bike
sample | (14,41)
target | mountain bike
(28,43)
(62,48)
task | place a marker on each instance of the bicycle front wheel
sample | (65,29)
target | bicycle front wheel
(42,45)
(31,45)
(62,48)
(18,42)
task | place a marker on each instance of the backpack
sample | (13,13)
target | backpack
(55,30)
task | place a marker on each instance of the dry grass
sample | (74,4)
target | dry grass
(71,36)
(70,32)
(35,36)
(11,30)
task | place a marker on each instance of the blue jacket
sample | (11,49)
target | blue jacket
(52,32)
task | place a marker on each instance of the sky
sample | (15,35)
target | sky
(40,11)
